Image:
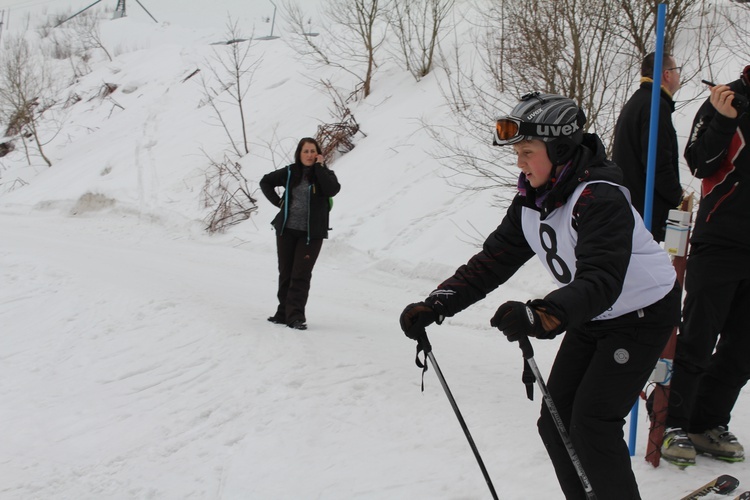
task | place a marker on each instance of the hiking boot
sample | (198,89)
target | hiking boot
(677,447)
(277,320)
(719,443)
(298,324)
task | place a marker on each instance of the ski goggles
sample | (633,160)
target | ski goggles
(510,130)
(507,131)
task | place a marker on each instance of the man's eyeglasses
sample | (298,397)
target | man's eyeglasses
(676,68)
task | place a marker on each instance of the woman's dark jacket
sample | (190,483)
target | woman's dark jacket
(718,153)
(323,185)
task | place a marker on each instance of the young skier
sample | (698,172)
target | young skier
(617,300)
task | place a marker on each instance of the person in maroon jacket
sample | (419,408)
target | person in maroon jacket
(301,226)
(708,376)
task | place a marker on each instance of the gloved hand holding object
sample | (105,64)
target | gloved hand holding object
(533,319)
(415,318)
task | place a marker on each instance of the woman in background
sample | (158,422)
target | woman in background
(301,225)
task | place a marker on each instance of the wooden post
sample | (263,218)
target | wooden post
(661,391)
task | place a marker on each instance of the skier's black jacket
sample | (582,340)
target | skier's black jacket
(604,222)
(718,153)
(323,184)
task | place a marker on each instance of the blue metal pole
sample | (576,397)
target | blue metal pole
(651,164)
(653,130)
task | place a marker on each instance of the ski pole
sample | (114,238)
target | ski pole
(423,344)
(528,355)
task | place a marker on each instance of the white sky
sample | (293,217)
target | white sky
(136,360)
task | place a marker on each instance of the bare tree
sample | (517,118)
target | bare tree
(351,44)
(737,19)
(226,192)
(337,137)
(705,43)
(636,24)
(23,87)
(588,50)
(564,47)
(233,73)
(574,53)
(464,145)
(85,27)
(418,25)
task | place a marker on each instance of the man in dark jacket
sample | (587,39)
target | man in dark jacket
(707,383)
(630,147)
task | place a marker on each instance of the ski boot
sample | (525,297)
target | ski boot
(718,443)
(677,448)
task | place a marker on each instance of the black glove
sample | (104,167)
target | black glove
(516,319)
(415,318)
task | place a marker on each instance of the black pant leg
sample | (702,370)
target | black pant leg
(729,368)
(286,244)
(305,255)
(566,373)
(596,378)
(710,286)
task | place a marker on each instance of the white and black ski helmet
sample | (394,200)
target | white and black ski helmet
(551,118)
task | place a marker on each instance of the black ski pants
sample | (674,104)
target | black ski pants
(297,258)
(707,383)
(596,378)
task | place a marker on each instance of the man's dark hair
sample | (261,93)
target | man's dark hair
(647,66)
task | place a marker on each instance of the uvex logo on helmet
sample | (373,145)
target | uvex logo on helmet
(534,113)
(556,130)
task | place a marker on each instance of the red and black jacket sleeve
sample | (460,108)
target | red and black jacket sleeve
(709,141)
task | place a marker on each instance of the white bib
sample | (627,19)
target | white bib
(649,277)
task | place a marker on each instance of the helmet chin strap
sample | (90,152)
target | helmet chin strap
(552,175)
(555,174)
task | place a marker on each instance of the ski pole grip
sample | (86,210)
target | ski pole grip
(423,343)
(525,344)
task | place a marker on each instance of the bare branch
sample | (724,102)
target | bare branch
(23,87)
(233,70)
(337,137)
(418,27)
(227,193)
(351,43)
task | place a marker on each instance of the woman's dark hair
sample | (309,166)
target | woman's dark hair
(302,142)
(299,172)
